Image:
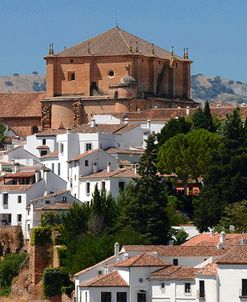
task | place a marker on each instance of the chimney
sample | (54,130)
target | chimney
(126,256)
(148,123)
(222,237)
(126,120)
(135,169)
(95,169)
(187,110)
(116,249)
(108,167)
(92,123)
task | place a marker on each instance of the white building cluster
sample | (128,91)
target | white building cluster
(209,268)
(54,168)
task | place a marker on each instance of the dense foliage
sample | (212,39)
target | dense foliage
(41,236)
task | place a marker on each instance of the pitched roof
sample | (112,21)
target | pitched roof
(175,273)
(18,188)
(117,173)
(20,174)
(50,195)
(20,104)
(50,155)
(115,42)
(105,128)
(177,250)
(110,280)
(51,132)
(209,239)
(142,260)
(58,206)
(208,270)
(113,150)
(83,155)
(235,255)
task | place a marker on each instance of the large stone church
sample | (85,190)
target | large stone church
(114,72)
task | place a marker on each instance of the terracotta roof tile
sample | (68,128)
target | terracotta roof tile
(124,151)
(235,255)
(58,206)
(18,188)
(110,280)
(175,273)
(124,172)
(51,155)
(104,128)
(51,132)
(142,260)
(20,174)
(83,155)
(177,250)
(115,42)
(208,270)
(20,104)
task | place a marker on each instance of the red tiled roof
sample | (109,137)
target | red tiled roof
(20,174)
(58,206)
(208,270)
(110,280)
(20,104)
(83,155)
(50,155)
(124,151)
(235,255)
(142,260)
(115,42)
(51,132)
(177,250)
(43,147)
(50,195)
(18,188)
(213,239)
(124,172)
(175,273)
(105,128)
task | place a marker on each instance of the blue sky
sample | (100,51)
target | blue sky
(213,30)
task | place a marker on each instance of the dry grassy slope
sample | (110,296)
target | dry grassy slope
(22,83)
(217,88)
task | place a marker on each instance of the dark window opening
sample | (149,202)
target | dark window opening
(88,188)
(175,262)
(141,297)
(201,289)
(43,152)
(35,129)
(71,76)
(86,163)
(106,297)
(103,186)
(121,185)
(19,198)
(19,218)
(244,287)
(111,73)
(88,146)
(121,297)
(187,288)
(47,202)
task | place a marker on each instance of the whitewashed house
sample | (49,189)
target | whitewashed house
(111,180)
(19,189)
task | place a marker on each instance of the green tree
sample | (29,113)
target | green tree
(202,118)
(172,128)
(144,202)
(50,219)
(179,236)
(2,135)
(188,155)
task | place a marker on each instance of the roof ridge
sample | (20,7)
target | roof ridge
(119,31)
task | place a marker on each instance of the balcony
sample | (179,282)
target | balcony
(243,294)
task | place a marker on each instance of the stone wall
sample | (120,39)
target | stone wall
(11,238)
(40,258)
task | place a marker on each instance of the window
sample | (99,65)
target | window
(105,296)
(71,76)
(64,198)
(121,185)
(86,299)
(19,218)
(61,148)
(75,177)
(121,297)
(244,287)
(53,167)
(88,146)
(111,73)
(58,168)
(175,262)
(103,185)
(5,199)
(100,272)
(201,289)
(187,287)
(88,188)
(47,202)
(28,212)
(43,141)
(162,286)
(43,152)
(28,227)
(19,199)
(141,297)
(86,163)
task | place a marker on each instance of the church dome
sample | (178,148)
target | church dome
(127,80)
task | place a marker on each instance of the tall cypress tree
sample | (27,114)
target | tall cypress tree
(145,201)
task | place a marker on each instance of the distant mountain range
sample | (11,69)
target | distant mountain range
(202,87)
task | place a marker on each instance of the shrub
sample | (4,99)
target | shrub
(41,236)
(53,281)
(16,74)
(35,72)
(9,268)
(8,83)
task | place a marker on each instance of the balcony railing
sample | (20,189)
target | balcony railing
(243,293)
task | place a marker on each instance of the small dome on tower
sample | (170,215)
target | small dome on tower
(127,80)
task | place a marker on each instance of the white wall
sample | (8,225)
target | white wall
(34,141)
(21,156)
